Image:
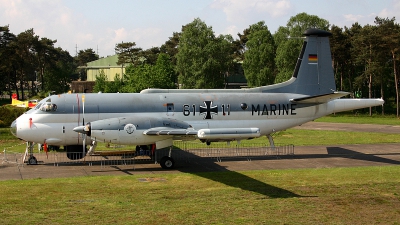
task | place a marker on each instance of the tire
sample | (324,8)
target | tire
(167,162)
(32,160)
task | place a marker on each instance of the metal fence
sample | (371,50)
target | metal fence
(11,158)
(180,151)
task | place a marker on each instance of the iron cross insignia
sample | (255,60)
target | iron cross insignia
(208,110)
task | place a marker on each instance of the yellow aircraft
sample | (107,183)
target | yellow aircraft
(24,104)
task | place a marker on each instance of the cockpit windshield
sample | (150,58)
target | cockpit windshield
(46,106)
(38,105)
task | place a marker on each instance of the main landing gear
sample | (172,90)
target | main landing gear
(271,140)
(167,162)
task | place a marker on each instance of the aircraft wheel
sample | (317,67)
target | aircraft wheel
(32,160)
(167,162)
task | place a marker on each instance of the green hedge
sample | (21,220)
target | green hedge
(9,113)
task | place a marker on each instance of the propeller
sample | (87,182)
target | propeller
(83,124)
(84,134)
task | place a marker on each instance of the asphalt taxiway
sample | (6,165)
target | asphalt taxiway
(304,157)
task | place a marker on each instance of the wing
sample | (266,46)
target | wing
(142,130)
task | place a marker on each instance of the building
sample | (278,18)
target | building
(108,65)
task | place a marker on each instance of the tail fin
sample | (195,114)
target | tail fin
(313,74)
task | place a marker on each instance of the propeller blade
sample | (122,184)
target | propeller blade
(83,109)
(84,144)
(83,123)
(79,119)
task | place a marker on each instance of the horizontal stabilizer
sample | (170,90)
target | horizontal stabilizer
(320,98)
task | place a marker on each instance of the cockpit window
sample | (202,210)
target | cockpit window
(47,106)
(38,106)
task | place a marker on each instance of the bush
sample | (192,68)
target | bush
(9,113)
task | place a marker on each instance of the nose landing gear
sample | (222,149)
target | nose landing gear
(29,150)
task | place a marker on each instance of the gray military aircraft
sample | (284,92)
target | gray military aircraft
(159,116)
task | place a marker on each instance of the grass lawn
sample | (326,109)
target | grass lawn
(364,195)
(362,119)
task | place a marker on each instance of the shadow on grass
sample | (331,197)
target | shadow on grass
(238,180)
(209,169)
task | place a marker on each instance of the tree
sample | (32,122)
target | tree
(258,61)
(366,44)
(352,67)
(59,76)
(164,72)
(203,59)
(46,57)
(114,86)
(6,56)
(239,46)
(83,57)
(389,31)
(101,82)
(170,47)
(25,59)
(340,43)
(144,76)
(150,55)
(127,53)
(288,48)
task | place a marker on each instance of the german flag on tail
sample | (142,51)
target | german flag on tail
(312,58)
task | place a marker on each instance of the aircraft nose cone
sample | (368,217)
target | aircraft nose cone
(13,128)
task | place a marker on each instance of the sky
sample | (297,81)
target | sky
(101,24)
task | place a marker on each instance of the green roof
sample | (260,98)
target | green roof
(107,61)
